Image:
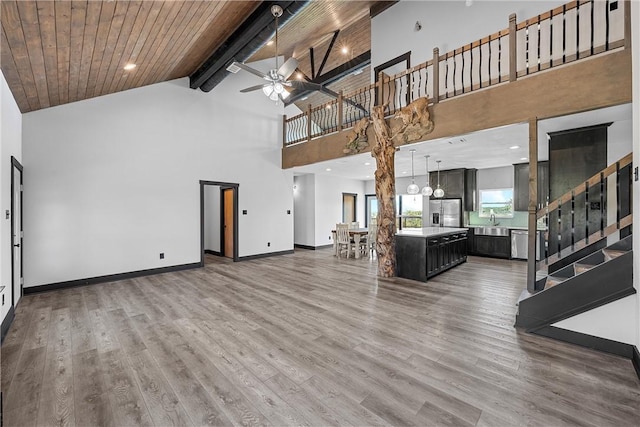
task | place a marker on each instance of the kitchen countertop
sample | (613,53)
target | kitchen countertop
(427,232)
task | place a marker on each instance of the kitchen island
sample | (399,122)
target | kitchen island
(422,253)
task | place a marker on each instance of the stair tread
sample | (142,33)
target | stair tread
(610,254)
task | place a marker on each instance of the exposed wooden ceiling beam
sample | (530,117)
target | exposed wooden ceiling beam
(254,32)
(326,54)
(334,75)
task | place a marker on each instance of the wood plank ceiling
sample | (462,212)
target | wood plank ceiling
(57,52)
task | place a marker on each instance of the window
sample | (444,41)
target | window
(410,211)
(496,201)
(371,208)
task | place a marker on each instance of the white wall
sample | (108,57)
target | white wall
(10,145)
(212,220)
(445,24)
(113,181)
(304,205)
(635,28)
(328,204)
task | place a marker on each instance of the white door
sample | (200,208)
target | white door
(16,231)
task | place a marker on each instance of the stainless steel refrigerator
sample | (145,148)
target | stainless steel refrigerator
(445,213)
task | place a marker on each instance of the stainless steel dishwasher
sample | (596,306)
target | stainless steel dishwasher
(519,244)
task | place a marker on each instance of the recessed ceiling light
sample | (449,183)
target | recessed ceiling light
(270,42)
(513,147)
(299,76)
(129,67)
(304,98)
(328,169)
(367,163)
(345,50)
(523,158)
(404,173)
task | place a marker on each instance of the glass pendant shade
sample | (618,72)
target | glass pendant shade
(412,188)
(427,190)
(439,192)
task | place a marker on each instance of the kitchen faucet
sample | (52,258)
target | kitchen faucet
(492,218)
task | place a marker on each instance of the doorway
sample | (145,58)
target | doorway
(349,213)
(17,234)
(227,222)
(218,219)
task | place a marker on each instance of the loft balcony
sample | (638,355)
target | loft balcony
(571,59)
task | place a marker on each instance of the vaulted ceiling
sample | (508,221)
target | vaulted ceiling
(55,52)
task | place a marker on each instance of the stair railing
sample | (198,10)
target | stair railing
(580,216)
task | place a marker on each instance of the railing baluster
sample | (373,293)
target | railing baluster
(573,219)
(526,47)
(606,14)
(490,60)
(578,30)
(592,5)
(551,39)
(454,73)
(446,76)
(564,33)
(602,219)
(586,211)
(559,237)
(471,67)
(539,54)
(618,203)
(499,59)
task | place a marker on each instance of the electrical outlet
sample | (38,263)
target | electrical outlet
(161,255)
(268,244)
(244,211)
(613,6)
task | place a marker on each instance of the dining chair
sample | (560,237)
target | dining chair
(371,239)
(354,224)
(343,239)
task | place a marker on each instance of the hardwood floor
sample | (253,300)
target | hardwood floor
(302,339)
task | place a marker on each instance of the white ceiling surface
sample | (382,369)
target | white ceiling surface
(479,150)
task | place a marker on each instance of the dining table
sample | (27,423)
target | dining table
(356,234)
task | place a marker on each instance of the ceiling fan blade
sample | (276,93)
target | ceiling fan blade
(251,70)
(256,87)
(302,85)
(288,68)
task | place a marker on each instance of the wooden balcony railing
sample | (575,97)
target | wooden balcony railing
(572,32)
(581,217)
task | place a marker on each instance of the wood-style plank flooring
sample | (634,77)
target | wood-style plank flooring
(302,339)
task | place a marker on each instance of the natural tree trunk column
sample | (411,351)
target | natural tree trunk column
(384,152)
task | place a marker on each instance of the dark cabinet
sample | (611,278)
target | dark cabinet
(419,258)
(493,246)
(470,190)
(457,184)
(521,185)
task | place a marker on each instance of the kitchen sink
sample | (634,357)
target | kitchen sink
(491,231)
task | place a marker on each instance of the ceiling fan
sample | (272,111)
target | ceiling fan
(277,78)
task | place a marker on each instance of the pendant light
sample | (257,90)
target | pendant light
(412,188)
(427,190)
(439,193)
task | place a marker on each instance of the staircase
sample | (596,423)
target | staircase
(597,279)
(592,270)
